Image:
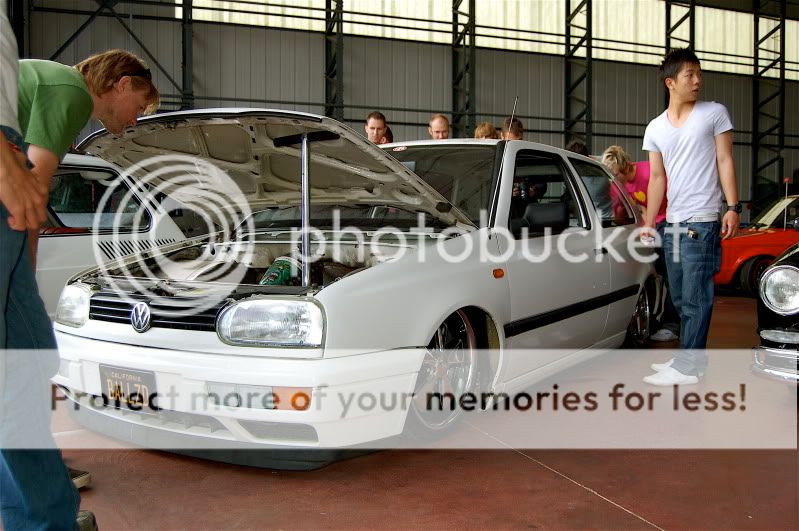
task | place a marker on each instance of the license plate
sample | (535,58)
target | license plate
(129,388)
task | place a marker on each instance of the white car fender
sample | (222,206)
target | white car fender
(416,304)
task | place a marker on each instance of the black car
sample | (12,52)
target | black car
(777,357)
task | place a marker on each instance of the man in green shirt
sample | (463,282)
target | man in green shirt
(54,103)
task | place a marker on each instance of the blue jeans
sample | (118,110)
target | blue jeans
(691,264)
(36,491)
(669,318)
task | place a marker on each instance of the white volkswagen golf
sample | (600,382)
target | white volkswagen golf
(341,273)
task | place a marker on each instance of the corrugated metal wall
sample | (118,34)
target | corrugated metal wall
(252,66)
(48,31)
(238,66)
(538,82)
(407,81)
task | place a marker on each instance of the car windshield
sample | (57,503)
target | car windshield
(775,215)
(462,173)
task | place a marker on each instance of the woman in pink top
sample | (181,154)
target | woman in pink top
(635,177)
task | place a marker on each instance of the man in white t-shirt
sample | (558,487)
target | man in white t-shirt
(691,142)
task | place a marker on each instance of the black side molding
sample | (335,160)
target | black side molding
(526,324)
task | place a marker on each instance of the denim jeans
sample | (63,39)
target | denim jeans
(669,318)
(693,256)
(36,491)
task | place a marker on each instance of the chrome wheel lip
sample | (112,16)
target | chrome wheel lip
(440,370)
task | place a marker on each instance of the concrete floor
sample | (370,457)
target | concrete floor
(399,489)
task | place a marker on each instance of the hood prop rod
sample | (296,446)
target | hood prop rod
(305,209)
(305,139)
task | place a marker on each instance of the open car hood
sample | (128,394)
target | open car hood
(259,150)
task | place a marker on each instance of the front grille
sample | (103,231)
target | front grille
(109,306)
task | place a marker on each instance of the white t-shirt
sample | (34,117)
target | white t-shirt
(8,72)
(689,155)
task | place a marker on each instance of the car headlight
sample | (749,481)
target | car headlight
(271,322)
(73,306)
(779,289)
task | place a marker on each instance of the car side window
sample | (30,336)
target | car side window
(76,196)
(609,199)
(597,182)
(542,197)
(792,211)
(622,210)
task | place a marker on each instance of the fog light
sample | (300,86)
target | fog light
(222,394)
(259,396)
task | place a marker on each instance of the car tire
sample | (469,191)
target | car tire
(751,272)
(449,368)
(640,327)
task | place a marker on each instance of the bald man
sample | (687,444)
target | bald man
(438,127)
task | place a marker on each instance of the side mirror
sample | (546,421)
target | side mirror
(795,224)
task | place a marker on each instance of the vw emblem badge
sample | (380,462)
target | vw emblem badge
(140,317)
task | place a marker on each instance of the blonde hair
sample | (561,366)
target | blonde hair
(616,156)
(485,130)
(102,70)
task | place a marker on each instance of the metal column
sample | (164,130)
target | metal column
(578,123)
(464,119)
(334,59)
(768,102)
(109,5)
(680,24)
(187,92)
(16,15)
(680,29)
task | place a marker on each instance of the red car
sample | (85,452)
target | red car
(744,257)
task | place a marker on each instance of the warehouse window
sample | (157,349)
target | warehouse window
(724,39)
(284,14)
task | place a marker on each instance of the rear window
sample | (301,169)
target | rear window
(76,199)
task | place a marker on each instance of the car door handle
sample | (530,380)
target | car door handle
(600,251)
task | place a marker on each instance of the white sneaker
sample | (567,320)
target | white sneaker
(664,334)
(669,376)
(662,366)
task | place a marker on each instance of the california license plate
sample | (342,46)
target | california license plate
(129,388)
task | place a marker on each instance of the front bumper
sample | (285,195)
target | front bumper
(354,398)
(776,363)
